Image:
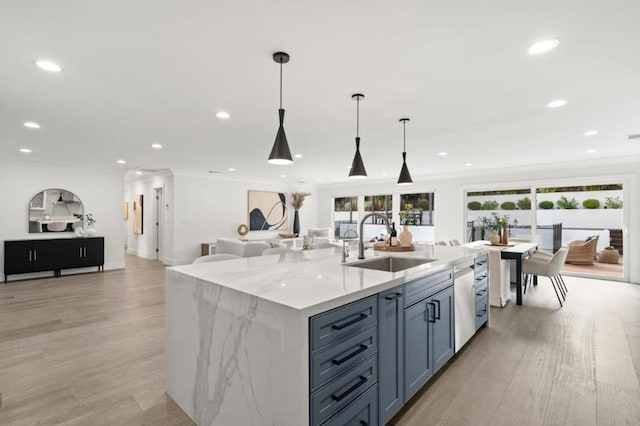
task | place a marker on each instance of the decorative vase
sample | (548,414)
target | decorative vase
(406,239)
(91,231)
(296,223)
(504,239)
(494,238)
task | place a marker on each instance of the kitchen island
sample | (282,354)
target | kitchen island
(293,339)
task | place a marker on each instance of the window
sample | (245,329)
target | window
(345,215)
(417,209)
(515,204)
(381,204)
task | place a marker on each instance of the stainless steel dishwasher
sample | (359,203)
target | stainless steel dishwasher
(464,300)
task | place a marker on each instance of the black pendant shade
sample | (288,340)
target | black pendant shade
(60,198)
(357,166)
(280,153)
(405,176)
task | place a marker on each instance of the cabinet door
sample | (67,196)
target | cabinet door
(45,255)
(391,352)
(94,252)
(69,253)
(418,365)
(443,338)
(18,256)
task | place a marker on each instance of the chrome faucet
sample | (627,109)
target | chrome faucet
(345,246)
(365,217)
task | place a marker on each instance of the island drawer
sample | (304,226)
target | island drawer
(424,287)
(339,324)
(362,412)
(332,398)
(481,263)
(481,313)
(329,364)
(480,289)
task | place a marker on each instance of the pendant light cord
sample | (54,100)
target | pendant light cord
(404,136)
(280,83)
(358,116)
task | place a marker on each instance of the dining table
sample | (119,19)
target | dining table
(518,253)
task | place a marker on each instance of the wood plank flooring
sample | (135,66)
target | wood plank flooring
(89,350)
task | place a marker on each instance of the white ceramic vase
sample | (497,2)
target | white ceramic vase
(91,231)
(406,239)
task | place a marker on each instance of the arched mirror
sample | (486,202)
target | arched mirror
(53,210)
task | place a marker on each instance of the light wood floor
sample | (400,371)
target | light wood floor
(88,350)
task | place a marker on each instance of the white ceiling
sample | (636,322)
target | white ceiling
(139,72)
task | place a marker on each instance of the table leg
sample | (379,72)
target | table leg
(519,281)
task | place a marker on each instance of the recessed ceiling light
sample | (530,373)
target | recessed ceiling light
(222,114)
(48,65)
(32,125)
(468,164)
(156,146)
(231,169)
(139,172)
(121,162)
(591,151)
(591,133)
(442,154)
(384,173)
(298,156)
(319,180)
(25,150)
(557,103)
(283,176)
(543,46)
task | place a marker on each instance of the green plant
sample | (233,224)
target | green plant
(568,204)
(545,205)
(347,206)
(495,223)
(368,206)
(613,202)
(609,248)
(88,217)
(423,204)
(489,205)
(591,203)
(406,215)
(474,205)
(508,205)
(524,203)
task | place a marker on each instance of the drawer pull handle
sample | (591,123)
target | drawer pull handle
(431,318)
(437,316)
(340,361)
(481,292)
(393,296)
(344,394)
(363,423)
(482,312)
(348,323)
(481,278)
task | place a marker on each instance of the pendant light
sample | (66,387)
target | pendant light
(60,200)
(357,167)
(280,153)
(405,176)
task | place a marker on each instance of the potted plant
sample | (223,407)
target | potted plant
(494,226)
(609,255)
(407,218)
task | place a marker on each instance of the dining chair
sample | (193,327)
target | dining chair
(276,250)
(454,242)
(550,268)
(441,243)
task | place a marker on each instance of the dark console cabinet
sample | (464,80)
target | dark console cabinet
(24,256)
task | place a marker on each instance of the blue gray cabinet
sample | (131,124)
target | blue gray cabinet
(391,352)
(443,327)
(418,363)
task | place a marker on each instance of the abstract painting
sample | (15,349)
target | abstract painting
(138,210)
(268,211)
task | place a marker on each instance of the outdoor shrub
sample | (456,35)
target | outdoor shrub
(474,205)
(489,205)
(508,205)
(565,203)
(609,248)
(368,206)
(546,205)
(591,203)
(613,202)
(423,204)
(524,203)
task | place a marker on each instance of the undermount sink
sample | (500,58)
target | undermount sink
(391,264)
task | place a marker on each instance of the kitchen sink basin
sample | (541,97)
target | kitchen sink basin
(391,264)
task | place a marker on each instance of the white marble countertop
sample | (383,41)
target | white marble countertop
(315,280)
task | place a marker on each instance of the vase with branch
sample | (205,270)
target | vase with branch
(297,200)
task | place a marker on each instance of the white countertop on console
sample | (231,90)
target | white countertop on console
(315,280)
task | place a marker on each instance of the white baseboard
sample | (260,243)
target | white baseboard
(144,255)
(178,262)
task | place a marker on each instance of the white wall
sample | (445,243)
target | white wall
(99,189)
(209,206)
(143,245)
(450,203)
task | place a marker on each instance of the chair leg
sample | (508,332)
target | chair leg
(557,281)
(566,290)
(525,281)
(556,290)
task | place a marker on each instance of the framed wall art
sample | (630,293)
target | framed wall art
(138,210)
(268,211)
